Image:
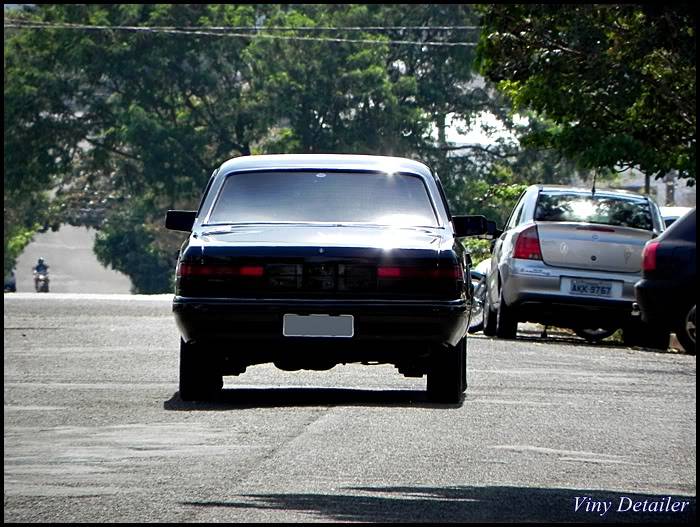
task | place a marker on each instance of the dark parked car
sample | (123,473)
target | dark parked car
(309,261)
(667,292)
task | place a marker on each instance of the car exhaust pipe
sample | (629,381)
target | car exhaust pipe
(636,312)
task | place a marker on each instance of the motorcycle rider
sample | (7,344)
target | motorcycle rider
(38,269)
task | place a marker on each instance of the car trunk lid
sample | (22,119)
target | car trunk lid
(318,261)
(591,246)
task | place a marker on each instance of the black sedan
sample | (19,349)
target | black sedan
(667,292)
(309,261)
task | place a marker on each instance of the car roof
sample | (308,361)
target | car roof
(587,190)
(684,228)
(326,161)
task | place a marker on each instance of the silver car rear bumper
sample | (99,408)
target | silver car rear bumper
(524,280)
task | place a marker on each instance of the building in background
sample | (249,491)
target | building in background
(668,191)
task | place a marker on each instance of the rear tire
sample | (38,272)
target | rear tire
(489,316)
(594,335)
(645,335)
(685,332)
(199,379)
(476,322)
(447,373)
(507,326)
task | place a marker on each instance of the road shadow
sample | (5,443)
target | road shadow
(241,398)
(470,504)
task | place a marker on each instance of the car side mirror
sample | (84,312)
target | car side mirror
(473,225)
(180,220)
(497,233)
(493,231)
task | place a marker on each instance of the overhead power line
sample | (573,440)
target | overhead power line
(263,28)
(221,31)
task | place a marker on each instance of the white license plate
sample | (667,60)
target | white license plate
(591,287)
(338,326)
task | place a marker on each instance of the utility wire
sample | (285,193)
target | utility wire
(263,28)
(227,33)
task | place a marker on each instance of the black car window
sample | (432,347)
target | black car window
(317,196)
(607,210)
(443,197)
(206,191)
(516,214)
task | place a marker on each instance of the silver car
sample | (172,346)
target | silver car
(570,257)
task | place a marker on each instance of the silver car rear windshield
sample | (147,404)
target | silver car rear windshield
(607,210)
(316,196)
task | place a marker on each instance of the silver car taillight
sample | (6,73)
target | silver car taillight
(527,245)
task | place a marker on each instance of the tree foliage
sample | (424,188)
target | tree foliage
(125,125)
(122,125)
(615,81)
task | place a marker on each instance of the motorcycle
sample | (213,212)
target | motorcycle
(41,282)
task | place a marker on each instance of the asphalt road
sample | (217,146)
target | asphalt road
(550,430)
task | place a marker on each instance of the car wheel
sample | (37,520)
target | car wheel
(645,335)
(198,380)
(489,316)
(594,335)
(476,322)
(447,373)
(507,325)
(686,331)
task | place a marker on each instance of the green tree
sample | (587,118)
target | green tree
(117,122)
(122,125)
(616,82)
(129,124)
(34,156)
(331,95)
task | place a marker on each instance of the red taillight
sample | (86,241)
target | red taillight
(454,272)
(388,272)
(649,256)
(251,270)
(527,246)
(194,269)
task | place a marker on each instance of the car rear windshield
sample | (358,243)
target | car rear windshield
(608,210)
(316,196)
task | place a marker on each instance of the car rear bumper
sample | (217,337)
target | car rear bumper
(375,322)
(583,313)
(538,293)
(662,302)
